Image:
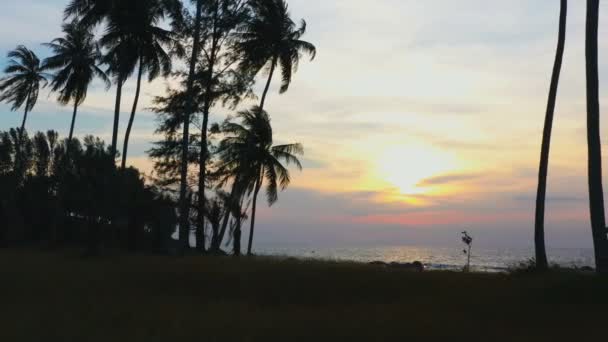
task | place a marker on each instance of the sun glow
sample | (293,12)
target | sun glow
(406,168)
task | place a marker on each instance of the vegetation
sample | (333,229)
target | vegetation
(272,39)
(25,77)
(146,298)
(81,183)
(77,57)
(248,158)
(68,199)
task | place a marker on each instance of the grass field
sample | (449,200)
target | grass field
(61,297)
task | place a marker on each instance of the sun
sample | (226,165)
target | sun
(406,167)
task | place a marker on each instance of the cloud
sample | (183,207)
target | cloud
(448,179)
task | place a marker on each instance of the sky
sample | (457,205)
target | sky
(420,119)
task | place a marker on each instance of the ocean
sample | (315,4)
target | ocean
(438,258)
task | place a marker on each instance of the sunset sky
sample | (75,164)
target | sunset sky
(420,119)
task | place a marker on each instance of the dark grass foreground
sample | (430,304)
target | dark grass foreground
(61,297)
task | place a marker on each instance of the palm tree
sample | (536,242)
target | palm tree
(596,192)
(272,39)
(539,233)
(25,77)
(91,13)
(134,37)
(76,57)
(248,149)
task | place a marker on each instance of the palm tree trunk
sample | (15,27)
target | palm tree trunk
(183,223)
(114,147)
(265,93)
(218,242)
(596,192)
(200,229)
(539,227)
(236,250)
(258,186)
(21,135)
(234,194)
(71,135)
(24,121)
(125,148)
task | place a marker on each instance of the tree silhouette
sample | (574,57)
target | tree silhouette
(539,233)
(596,192)
(134,37)
(76,59)
(248,150)
(25,77)
(272,39)
(184,225)
(91,13)
(217,80)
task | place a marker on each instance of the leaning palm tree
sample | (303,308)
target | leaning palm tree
(134,37)
(248,149)
(91,13)
(596,191)
(76,58)
(271,39)
(539,226)
(25,77)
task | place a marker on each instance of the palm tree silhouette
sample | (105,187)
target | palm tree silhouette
(539,226)
(25,77)
(596,192)
(77,56)
(272,39)
(248,150)
(134,38)
(91,13)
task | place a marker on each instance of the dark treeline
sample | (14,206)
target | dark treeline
(70,199)
(208,173)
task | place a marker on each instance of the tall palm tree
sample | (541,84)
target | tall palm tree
(249,150)
(134,37)
(596,191)
(25,77)
(76,58)
(272,39)
(539,227)
(91,13)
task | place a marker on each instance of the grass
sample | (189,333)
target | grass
(61,297)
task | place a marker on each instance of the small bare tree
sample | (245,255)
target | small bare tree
(468,241)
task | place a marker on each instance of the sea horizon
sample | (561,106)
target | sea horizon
(498,259)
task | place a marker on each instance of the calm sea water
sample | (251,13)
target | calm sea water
(437,258)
